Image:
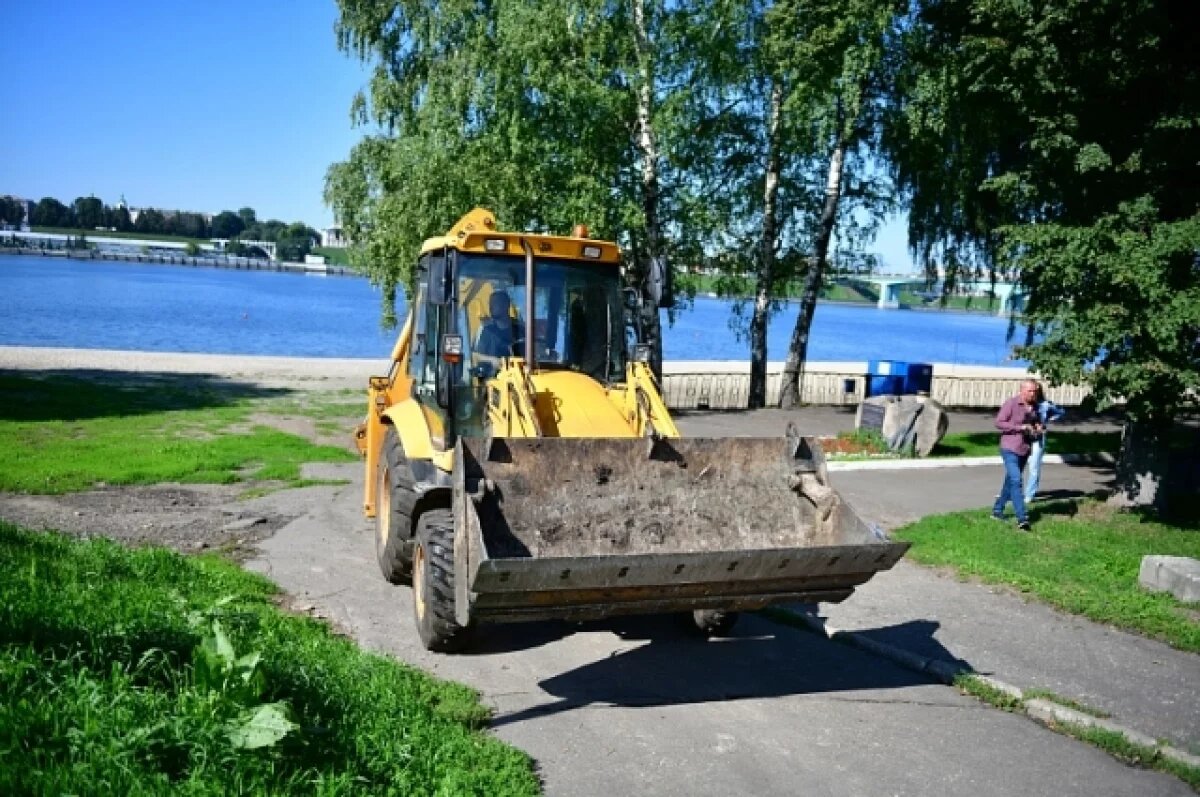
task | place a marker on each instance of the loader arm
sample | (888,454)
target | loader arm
(511,401)
(382,392)
(643,405)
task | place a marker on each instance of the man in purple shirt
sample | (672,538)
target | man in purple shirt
(1018,425)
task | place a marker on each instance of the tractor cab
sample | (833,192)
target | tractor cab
(488,300)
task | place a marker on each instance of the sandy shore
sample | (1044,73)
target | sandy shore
(316,373)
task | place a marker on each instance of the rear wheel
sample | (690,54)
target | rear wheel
(433,584)
(393,530)
(714,622)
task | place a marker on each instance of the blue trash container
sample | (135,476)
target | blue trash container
(918,378)
(886,377)
(885,385)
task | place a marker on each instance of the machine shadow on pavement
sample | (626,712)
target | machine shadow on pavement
(914,636)
(762,659)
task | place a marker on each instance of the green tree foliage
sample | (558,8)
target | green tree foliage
(295,241)
(12,210)
(1056,144)
(150,220)
(528,108)
(49,212)
(191,225)
(120,219)
(227,224)
(89,212)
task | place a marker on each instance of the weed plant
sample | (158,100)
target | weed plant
(145,672)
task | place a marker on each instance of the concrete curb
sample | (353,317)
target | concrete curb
(1044,711)
(961,462)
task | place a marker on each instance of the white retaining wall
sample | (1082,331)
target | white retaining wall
(722,385)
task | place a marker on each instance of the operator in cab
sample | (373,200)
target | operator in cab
(497,334)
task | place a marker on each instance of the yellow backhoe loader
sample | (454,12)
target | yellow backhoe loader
(521,463)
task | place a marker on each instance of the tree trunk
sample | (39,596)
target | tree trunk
(791,390)
(648,152)
(765,281)
(1142,466)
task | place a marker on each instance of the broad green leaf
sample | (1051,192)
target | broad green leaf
(261,726)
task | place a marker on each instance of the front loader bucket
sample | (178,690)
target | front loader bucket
(585,528)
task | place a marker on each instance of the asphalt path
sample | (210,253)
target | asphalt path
(640,706)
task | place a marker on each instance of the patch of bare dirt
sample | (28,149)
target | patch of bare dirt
(189,518)
(307,428)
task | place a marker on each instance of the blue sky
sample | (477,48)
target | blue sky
(202,106)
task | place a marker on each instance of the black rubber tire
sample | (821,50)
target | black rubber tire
(393,528)
(714,622)
(433,584)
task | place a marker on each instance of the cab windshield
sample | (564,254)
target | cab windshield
(577,313)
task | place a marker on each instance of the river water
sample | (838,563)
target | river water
(51,301)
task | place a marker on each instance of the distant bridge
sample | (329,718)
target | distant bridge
(267,246)
(1010,296)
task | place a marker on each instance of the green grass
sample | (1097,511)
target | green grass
(140,672)
(984,444)
(143,236)
(1054,697)
(1082,557)
(334,255)
(62,434)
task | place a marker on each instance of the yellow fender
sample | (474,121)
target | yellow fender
(412,426)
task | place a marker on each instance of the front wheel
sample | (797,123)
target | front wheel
(433,584)
(714,622)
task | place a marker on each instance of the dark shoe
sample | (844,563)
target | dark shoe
(1023,526)
(998,517)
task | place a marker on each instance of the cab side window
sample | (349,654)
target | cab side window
(422,363)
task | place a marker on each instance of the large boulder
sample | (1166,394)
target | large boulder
(915,423)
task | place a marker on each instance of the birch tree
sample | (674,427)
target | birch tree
(836,52)
(549,113)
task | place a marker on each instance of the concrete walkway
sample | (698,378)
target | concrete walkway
(1144,685)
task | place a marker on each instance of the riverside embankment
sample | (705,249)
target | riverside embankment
(687,385)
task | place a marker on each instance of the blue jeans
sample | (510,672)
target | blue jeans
(1034,477)
(1011,489)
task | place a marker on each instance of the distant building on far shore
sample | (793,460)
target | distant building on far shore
(333,237)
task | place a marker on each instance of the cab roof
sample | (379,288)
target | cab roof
(476,232)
